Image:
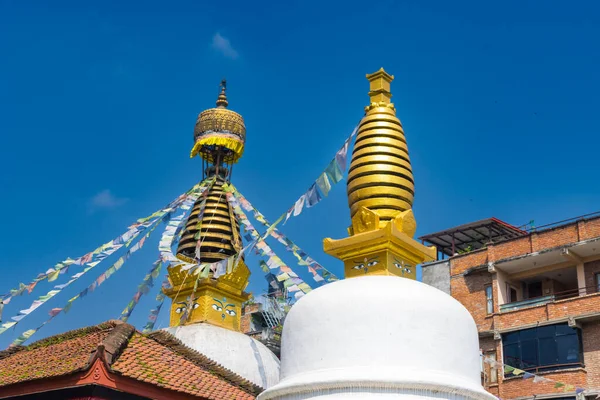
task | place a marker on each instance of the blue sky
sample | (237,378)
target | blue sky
(98,102)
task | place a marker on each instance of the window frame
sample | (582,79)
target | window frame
(597,279)
(540,338)
(489,300)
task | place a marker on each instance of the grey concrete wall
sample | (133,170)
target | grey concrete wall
(437,274)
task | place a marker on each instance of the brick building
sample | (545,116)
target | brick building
(535,297)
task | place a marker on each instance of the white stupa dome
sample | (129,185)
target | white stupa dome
(379,337)
(235,351)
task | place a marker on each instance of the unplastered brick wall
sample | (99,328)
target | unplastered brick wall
(536,241)
(590,270)
(589,229)
(459,264)
(511,388)
(511,248)
(591,353)
(245,323)
(469,290)
(555,237)
(560,311)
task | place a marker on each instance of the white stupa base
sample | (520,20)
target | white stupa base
(379,337)
(369,383)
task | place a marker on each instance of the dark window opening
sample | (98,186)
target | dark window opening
(534,290)
(489,297)
(512,294)
(543,348)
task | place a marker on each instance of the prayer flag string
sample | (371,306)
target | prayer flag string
(302,257)
(160,298)
(98,254)
(291,281)
(99,281)
(171,235)
(58,288)
(321,187)
(143,288)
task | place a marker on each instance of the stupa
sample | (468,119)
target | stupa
(206,310)
(379,334)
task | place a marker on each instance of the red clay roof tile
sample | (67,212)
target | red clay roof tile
(158,359)
(52,357)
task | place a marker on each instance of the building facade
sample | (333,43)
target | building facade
(535,298)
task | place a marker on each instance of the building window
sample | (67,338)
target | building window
(597,276)
(489,299)
(543,348)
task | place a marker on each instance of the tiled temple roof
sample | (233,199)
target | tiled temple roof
(158,359)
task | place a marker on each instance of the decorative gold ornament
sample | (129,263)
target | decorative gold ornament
(392,248)
(380,195)
(215,301)
(220,127)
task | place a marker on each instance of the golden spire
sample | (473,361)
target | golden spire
(212,233)
(380,176)
(222,99)
(380,195)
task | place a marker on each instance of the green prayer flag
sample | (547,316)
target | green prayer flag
(334,172)
(283,277)
(264,267)
(205,271)
(323,184)
(53,276)
(304,287)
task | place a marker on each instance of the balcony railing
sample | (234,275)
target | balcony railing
(525,303)
(536,301)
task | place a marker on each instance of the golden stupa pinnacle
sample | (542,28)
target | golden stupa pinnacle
(219,128)
(380,176)
(212,233)
(380,195)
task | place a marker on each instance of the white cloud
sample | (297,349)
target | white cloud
(223,46)
(105,199)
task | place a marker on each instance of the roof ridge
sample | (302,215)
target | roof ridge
(114,343)
(168,340)
(48,341)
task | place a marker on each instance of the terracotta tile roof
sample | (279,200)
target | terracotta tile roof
(52,357)
(147,360)
(158,359)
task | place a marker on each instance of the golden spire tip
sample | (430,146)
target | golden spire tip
(222,99)
(379,83)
